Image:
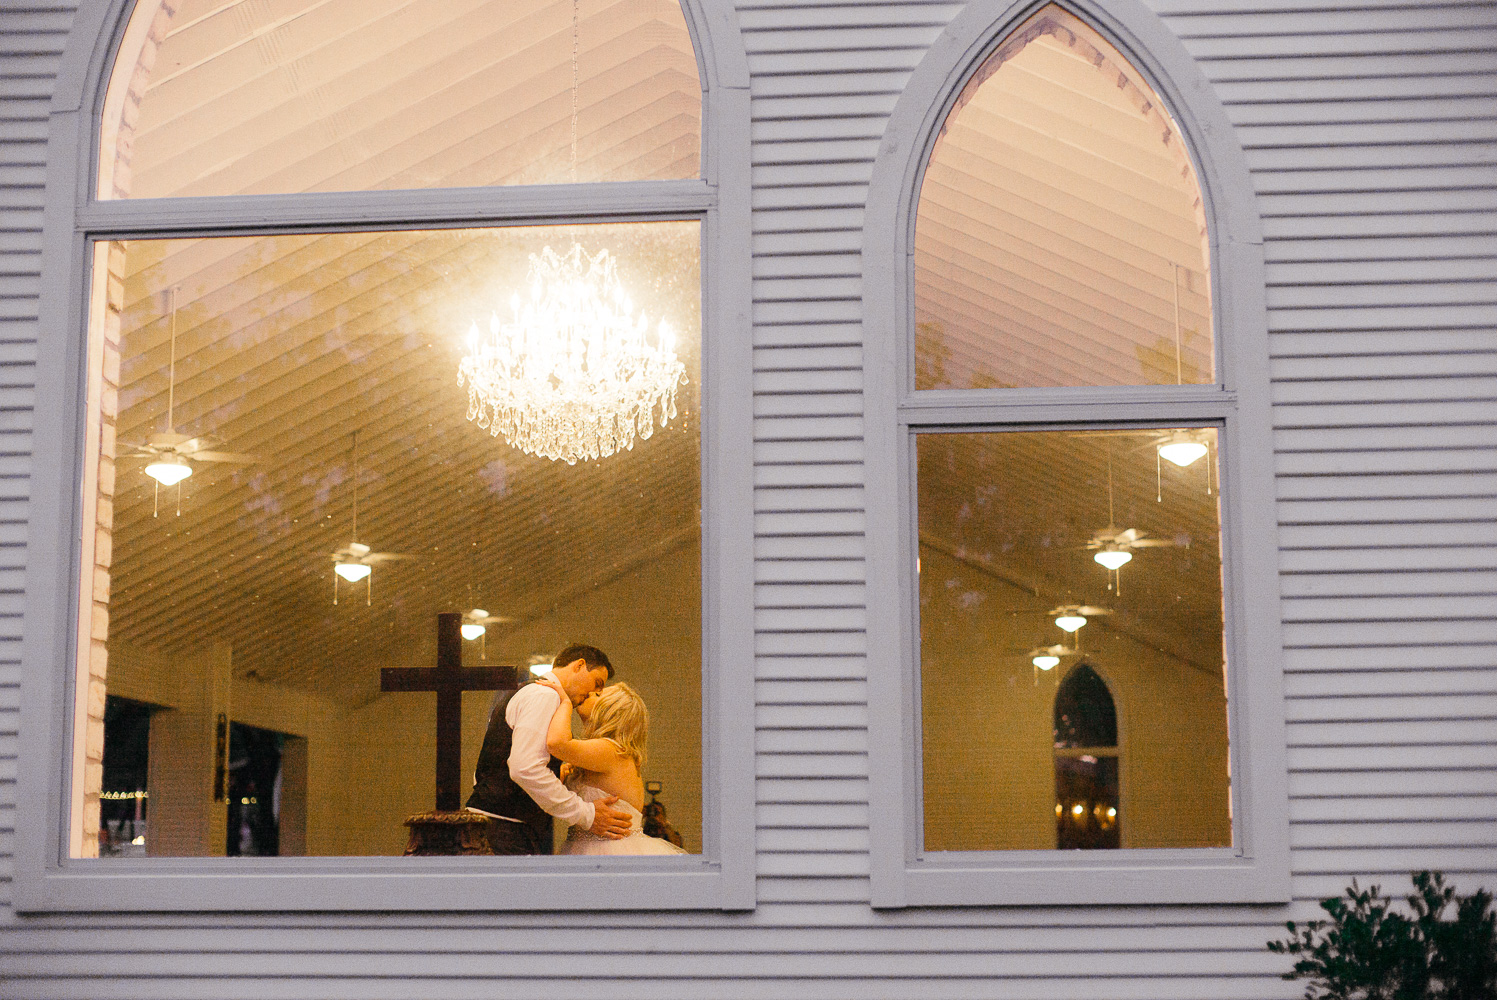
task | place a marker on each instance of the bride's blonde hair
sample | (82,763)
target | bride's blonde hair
(620,715)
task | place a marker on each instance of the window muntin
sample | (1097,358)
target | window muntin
(362,95)
(1060,236)
(1009,526)
(286,346)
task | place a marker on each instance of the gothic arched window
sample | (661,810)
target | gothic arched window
(1066,360)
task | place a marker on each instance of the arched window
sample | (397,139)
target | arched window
(397,309)
(1072,392)
(1086,763)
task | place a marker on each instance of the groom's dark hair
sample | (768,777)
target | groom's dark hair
(591,655)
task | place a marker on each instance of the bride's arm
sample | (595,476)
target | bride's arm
(560,728)
(591,755)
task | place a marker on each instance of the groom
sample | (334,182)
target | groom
(514,783)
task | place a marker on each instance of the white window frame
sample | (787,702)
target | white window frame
(1256,868)
(722,877)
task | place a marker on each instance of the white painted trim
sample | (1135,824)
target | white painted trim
(1257,868)
(538,205)
(46,878)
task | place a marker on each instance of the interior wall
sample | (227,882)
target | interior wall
(989,780)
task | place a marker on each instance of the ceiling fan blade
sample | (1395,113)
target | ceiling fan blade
(1153,543)
(223,456)
(386,556)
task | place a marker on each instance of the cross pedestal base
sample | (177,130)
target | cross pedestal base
(448,833)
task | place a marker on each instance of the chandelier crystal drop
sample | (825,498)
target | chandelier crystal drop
(575,375)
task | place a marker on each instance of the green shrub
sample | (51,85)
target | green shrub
(1368,951)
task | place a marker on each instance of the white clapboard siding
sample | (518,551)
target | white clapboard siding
(1370,127)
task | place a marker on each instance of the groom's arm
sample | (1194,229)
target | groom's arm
(533,707)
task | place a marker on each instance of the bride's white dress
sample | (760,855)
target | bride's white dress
(580,841)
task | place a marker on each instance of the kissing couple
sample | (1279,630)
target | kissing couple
(531,769)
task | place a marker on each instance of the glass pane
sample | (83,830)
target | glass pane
(246,97)
(339,493)
(1014,600)
(1060,238)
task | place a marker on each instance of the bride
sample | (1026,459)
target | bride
(605,762)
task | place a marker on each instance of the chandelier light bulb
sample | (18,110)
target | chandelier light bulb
(169,471)
(353,572)
(574,375)
(1070,623)
(1182,451)
(472,630)
(1046,661)
(1113,557)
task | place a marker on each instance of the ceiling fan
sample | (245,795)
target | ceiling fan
(1045,658)
(1181,446)
(1113,547)
(477,621)
(356,561)
(169,455)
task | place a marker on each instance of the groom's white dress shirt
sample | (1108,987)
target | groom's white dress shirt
(528,715)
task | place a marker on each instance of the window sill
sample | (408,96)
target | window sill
(1070,878)
(377,884)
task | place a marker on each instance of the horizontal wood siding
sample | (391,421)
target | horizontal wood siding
(1371,128)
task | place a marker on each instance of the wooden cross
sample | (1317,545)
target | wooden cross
(449,679)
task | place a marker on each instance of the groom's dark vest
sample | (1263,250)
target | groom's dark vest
(493,789)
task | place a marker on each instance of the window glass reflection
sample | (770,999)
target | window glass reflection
(359,95)
(1060,238)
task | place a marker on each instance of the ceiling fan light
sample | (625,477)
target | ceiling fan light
(169,471)
(1070,623)
(353,572)
(472,630)
(1182,451)
(1046,661)
(1114,558)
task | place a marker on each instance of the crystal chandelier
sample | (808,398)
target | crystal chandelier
(575,374)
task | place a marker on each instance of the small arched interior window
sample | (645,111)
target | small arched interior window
(1087,807)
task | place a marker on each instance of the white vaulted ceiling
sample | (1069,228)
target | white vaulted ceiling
(288,345)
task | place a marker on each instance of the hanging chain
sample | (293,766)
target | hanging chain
(171,378)
(355,535)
